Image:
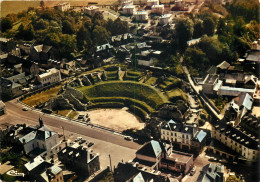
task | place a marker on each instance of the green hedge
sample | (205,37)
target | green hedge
(127,102)
(112,68)
(138,111)
(106,105)
(127,89)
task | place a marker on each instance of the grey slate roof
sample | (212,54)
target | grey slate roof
(152,149)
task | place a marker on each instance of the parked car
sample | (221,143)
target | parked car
(128,138)
(82,141)
(193,170)
(82,117)
(90,144)
(25,109)
(78,139)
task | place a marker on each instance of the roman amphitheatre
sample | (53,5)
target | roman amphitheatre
(116,97)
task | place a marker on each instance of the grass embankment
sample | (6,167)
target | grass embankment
(129,89)
(177,94)
(42,97)
(62,112)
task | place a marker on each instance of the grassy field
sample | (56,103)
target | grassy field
(62,112)
(129,89)
(176,94)
(42,96)
(73,114)
(10,6)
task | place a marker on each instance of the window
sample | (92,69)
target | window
(171,134)
(225,138)
(183,136)
(175,134)
(187,136)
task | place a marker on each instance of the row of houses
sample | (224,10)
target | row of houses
(157,161)
(43,146)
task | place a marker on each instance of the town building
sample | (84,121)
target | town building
(156,156)
(2,108)
(185,136)
(104,51)
(127,2)
(14,86)
(49,77)
(40,170)
(212,173)
(150,3)
(239,106)
(63,6)
(40,138)
(80,159)
(141,16)
(68,68)
(179,4)
(41,53)
(132,172)
(128,10)
(91,10)
(240,142)
(165,19)
(158,9)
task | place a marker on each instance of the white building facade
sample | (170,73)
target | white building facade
(128,10)
(51,76)
(158,9)
(141,16)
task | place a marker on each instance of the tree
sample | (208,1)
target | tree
(240,45)
(6,24)
(42,4)
(209,26)
(41,24)
(183,33)
(100,35)
(67,27)
(198,29)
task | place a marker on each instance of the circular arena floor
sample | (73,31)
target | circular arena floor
(116,119)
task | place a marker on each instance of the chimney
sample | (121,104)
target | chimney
(40,122)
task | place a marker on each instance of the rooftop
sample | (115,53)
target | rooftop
(49,72)
(34,163)
(211,79)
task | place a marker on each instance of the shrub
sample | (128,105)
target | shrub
(127,102)
(138,112)
(112,68)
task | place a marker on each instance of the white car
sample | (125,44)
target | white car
(78,139)
(128,138)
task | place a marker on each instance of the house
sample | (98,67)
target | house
(128,10)
(132,172)
(118,40)
(2,108)
(13,86)
(40,138)
(104,51)
(40,170)
(91,10)
(68,68)
(41,53)
(62,6)
(244,145)
(209,83)
(18,68)
(141,16)
(49,77)
(212,173)
(127,2)
(6,44)
(239,106)
(179,4)
(185,136)
(156,156)
(158,9)
(165,19)
(80,159)
(223,67)
(150,3)
(145,59)
(30,68)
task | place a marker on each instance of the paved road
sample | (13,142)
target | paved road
(197,90)
(105,142)
(14,111)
